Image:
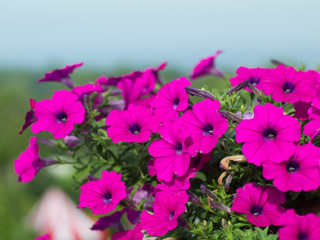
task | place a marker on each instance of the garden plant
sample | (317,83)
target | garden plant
(155,159)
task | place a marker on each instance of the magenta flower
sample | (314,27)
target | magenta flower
(171,153)
(297,227)
(29,163)
(299,172)
(58,114)
(133,234)
(199,161)
(270,135)
(261,204)
(178,183)
(312,129)
(113,221)
(132,125)
(288,85)
(254,75)
(301,112)
(167,208)
(86,90)
(103,195)
(61,75)
(135,92)
(171,99)
(206,125)
(113,81)
(29,118)
(205,67)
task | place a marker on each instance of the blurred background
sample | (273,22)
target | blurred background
(117,37)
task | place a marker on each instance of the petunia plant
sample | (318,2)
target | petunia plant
(170,160)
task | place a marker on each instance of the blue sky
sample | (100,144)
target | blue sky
(106,34)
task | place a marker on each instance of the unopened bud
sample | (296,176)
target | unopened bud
(255,90)
(193,198)
(231,115)
(276,62)
(228,182)
(206,191)
(238,87)
(220,206)
(199,93)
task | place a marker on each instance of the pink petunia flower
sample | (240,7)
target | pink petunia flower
(58,114)
(29,118)
(297,227)
(312,129)
(132,125)
(86,90)
(113,221)
(288,85)
(261,204)
(167,208)
(171,153)
(205,67)
(301,110)
(299,172)
(206,125)
(270,135)
(136,92)
(61,75)
(171,99)
(254,75)
(29,163)
(200,160)
(133,234)
(113,81)
(178,183)
(103,195)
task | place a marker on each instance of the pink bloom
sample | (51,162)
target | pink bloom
(206,125)
(261,204)
(61,75)
(199,161)
(58,114)
(103,195)
(171,152)
(171,99)
(133,234)
(178,183)
(29,118)
(29,163)
(86,90)
(134,75)
(205,67)
(113,221)
(301,112)
(132,125)
(313,112)
(44,237)
(167,208)
(297,227)
(288,85)
(101,80)
(299,172)
(135,92)
(312,129)
(270,135)
(254,75)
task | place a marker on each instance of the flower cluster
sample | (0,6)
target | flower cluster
(167,159)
